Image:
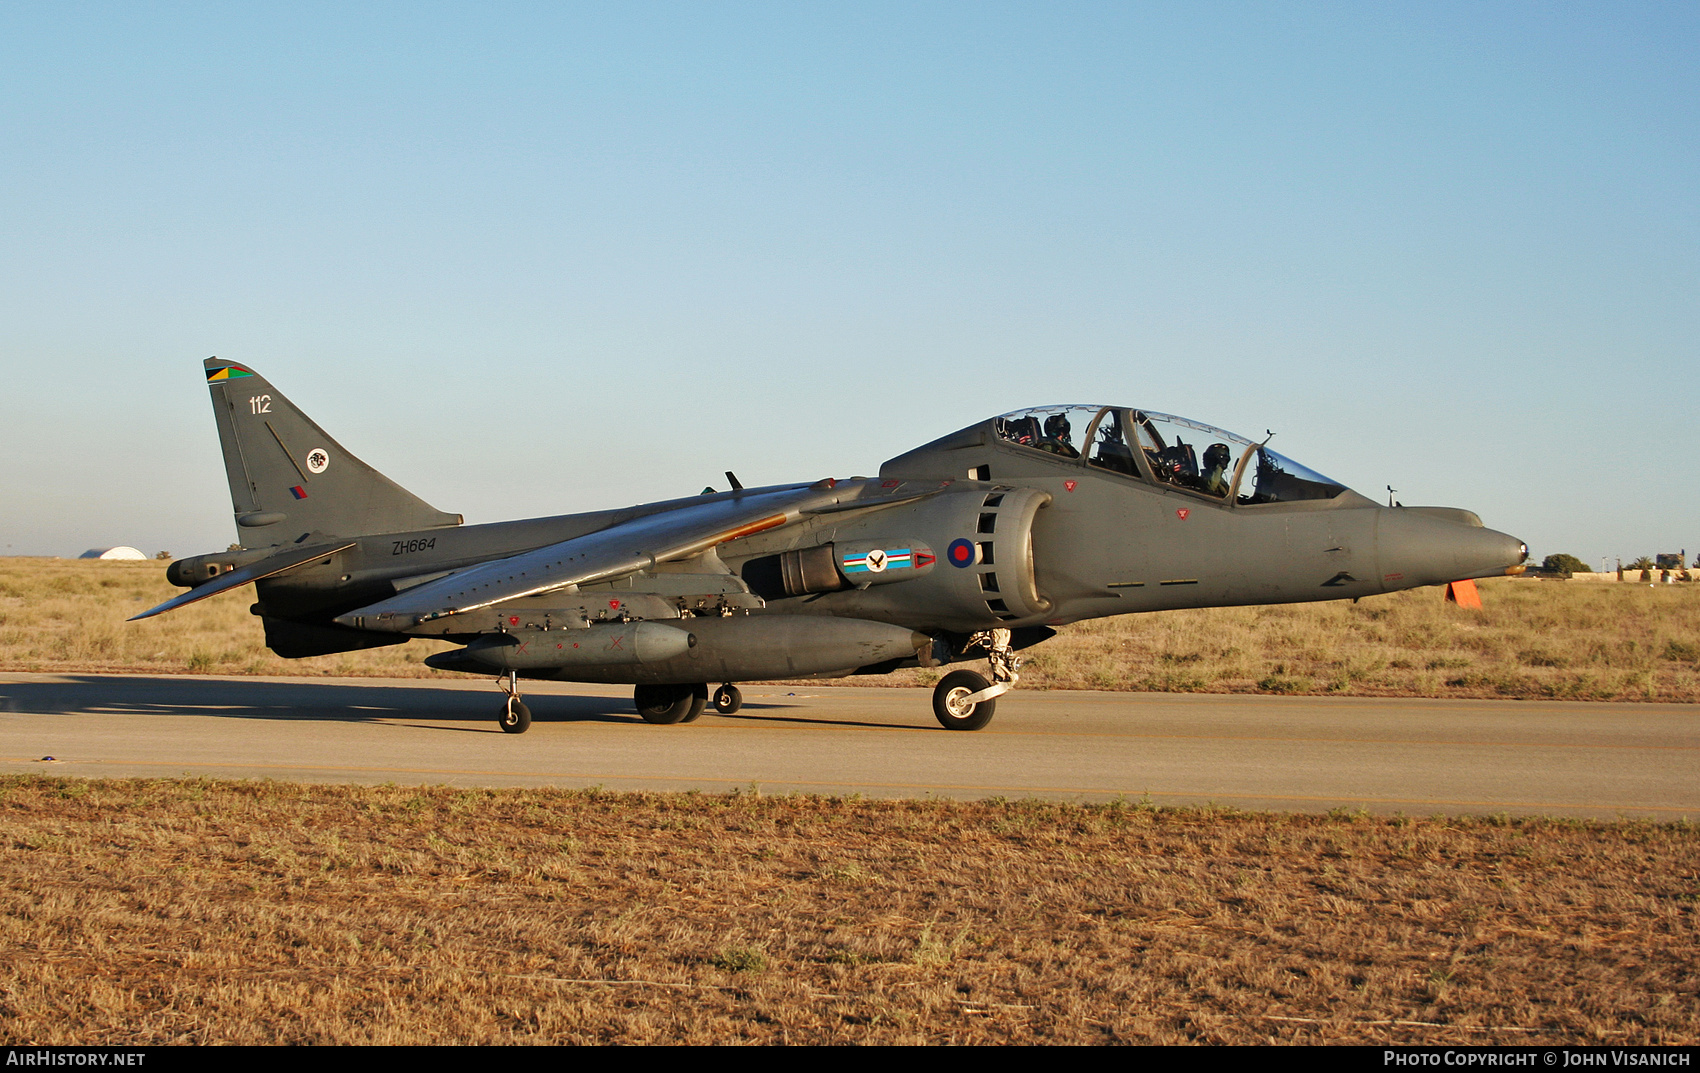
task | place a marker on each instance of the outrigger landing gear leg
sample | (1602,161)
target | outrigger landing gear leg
(515,717)
(964,700)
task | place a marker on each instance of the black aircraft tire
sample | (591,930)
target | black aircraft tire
(947,703)
(699,701)
(515,717)
(666,705)
(728,699)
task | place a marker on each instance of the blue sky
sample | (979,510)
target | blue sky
(531,259)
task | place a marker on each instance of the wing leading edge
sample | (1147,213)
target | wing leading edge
(601,556)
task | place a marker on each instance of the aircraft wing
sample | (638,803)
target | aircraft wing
(610,553)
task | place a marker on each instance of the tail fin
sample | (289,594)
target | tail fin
(287,478)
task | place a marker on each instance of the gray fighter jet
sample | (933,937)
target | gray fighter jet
(969,548)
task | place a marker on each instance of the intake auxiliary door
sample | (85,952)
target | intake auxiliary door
(1004,553)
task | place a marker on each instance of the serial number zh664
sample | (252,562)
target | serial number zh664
(405,547)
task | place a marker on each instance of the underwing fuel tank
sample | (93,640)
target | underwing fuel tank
(614,644)
(740,648)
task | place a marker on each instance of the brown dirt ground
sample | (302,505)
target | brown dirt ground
(159,912)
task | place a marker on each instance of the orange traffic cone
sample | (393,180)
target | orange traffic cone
(1463,593)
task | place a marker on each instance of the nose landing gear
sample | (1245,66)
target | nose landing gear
(964,700)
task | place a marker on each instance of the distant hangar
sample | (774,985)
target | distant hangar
(120,552)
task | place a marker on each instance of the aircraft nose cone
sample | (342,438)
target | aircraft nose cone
(1431,546)
(1484,553)
(1508,553)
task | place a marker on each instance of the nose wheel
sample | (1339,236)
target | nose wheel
(964,700)
(515,717)
(954,702)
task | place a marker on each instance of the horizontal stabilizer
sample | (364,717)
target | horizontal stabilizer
(270,566)
(614,552)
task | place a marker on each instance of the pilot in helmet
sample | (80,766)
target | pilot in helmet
(1058,433)
(1216,459)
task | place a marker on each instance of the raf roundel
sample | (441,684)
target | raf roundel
(960,553)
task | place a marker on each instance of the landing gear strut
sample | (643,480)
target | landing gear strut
(515,717)
(964,700)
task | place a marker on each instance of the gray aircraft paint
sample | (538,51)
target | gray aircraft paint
(981,533)
(694,650)
(287,475)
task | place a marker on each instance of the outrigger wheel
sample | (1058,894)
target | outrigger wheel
(515,717)
(728,699)
(663,705)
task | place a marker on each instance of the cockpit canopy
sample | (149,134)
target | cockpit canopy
(1165,450)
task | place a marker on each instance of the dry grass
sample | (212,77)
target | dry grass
(69,615)
(155,912)
(1532,640)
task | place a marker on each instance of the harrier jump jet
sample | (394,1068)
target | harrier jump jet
(970,548)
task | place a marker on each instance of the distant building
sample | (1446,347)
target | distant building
(120,552)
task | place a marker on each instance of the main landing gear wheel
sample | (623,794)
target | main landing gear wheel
(954,710)
(699,701)
(727,699)
(664,705)
(515,717)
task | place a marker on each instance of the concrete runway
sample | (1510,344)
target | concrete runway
(1253,752)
